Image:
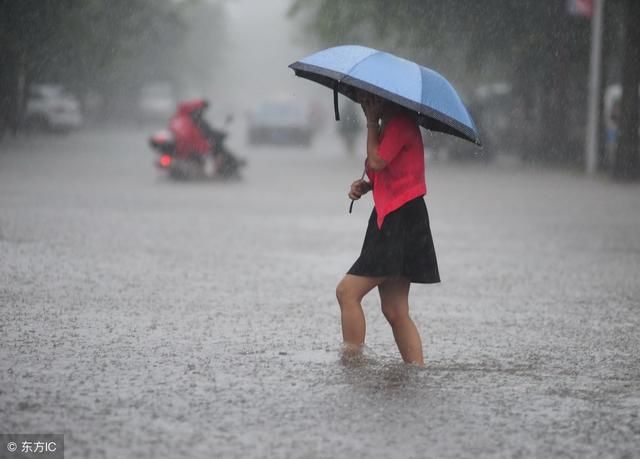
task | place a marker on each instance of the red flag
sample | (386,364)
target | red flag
(582,8)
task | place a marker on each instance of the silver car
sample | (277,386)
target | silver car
(280,122)
(51,107)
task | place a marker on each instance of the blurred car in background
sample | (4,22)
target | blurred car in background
(499,119)
(280,121)
(51,107)
(156,102)
(492,107)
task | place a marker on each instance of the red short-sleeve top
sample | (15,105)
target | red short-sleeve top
(403,178)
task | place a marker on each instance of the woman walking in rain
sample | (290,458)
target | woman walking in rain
(398,248)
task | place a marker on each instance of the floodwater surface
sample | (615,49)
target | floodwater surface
(146,318)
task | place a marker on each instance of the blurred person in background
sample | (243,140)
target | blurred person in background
(194,136)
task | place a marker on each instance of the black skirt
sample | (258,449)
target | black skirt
(403,247)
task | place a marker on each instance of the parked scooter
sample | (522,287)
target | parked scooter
(190,149)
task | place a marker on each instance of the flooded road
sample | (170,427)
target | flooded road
(145,318)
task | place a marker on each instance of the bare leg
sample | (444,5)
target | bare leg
(394,297)
(350,292)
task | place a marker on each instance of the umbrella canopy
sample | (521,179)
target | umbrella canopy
(422,90)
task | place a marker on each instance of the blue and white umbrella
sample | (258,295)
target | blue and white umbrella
(422,90)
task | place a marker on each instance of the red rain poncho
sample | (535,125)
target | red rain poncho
(188,136)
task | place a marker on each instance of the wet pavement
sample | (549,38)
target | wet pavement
(144,318)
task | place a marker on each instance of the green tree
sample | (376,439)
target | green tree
(85,44)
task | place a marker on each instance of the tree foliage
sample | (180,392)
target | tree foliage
(85,44)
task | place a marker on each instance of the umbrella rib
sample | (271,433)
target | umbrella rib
(360,62)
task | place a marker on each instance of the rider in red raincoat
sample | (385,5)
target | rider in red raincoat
(189,136)
(195,138)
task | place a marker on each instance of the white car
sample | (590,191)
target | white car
(51,107)
(156,102)
(280,122)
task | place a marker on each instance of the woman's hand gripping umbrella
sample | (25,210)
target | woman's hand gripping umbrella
(358,188)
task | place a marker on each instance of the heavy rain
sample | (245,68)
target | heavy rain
(165,298)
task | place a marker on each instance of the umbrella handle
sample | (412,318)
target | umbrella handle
(361,178)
